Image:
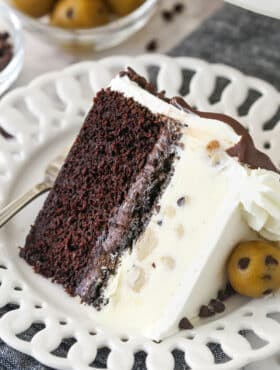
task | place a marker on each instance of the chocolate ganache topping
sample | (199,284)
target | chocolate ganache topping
(244,150)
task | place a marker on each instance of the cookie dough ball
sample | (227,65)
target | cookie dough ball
(124,7)
(254,268)
(34,8)
(74,14)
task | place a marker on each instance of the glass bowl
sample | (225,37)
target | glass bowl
(97,38)
(10,22)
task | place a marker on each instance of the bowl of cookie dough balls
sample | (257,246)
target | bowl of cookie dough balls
(84,24)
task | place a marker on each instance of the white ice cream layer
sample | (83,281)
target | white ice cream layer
(211,204)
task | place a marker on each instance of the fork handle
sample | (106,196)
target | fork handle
(17,205)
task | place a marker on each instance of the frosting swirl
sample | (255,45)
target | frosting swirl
(260,199)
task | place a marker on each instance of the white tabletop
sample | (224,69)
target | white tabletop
(168,35)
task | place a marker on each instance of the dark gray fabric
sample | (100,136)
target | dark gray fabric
(239,38)
(232,36)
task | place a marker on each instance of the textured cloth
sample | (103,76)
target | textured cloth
(232,36)
(239,38)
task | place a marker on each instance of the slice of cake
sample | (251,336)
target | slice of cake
(148,206)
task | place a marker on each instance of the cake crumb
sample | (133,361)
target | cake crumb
(147,244)
(138,279)
(213,145)
(168,261)
(180,231)
(170,211)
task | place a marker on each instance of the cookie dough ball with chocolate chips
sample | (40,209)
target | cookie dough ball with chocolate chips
(35,8)
(73,14)
(254,268)
(124,7)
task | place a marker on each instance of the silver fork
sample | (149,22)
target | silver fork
(17,205)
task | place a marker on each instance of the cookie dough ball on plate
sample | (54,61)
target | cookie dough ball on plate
(254,268)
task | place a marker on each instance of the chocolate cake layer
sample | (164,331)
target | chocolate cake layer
(103,196)
(129,220)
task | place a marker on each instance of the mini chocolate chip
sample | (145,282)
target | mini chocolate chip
(266,277)
(185,324)
(225,294)
(205,312)
(181,201)
(70,13)
(152,45)
(179,7)
(270,260)
(217,306)
(243,263)
(153,265)
(5,134)
(167,15)
(267,291)
(221,295)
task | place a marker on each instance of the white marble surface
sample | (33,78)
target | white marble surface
(41,57)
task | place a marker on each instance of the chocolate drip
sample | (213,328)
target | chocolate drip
(244,150)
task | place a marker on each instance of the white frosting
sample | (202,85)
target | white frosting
(177,266)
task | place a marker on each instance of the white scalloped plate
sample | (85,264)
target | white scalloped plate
(44,118)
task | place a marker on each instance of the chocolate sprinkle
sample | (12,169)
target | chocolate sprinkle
(153,265)
(160,223)
(270,260)
(181,201)
(243,263)
(185,324)
(267,292)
